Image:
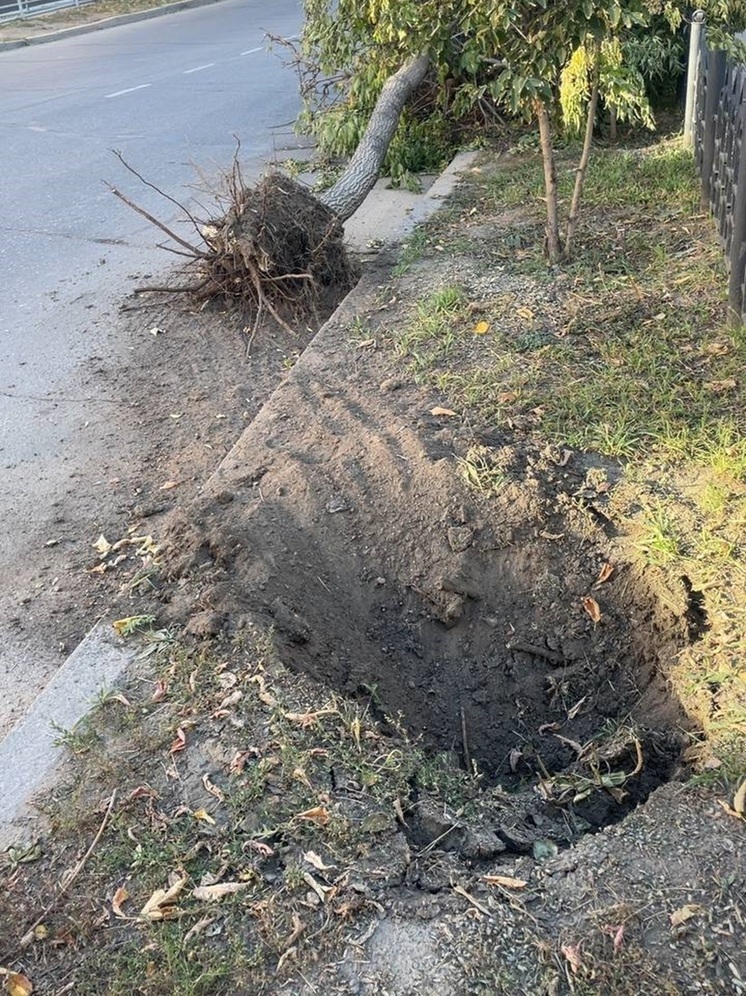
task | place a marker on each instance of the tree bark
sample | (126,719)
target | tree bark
(358,179)
(572,221)
(554,249)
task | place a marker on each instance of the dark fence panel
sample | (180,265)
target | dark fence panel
(719,135)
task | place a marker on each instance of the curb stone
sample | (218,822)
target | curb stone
(106,22)
(30,762)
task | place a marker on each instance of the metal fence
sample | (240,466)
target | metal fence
(11,10)
(719,137)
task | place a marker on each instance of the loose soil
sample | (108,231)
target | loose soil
(423,695)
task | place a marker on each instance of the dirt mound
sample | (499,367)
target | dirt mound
(505,629)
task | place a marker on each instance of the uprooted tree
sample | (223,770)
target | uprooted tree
(373,71)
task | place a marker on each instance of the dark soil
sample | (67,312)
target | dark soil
(339,521)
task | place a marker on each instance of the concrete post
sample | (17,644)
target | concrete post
(692,74)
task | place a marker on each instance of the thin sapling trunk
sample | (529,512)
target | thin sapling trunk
(572,221)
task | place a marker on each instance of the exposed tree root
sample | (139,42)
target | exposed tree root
(272,249)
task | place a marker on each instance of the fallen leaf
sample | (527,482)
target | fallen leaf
(307,719)
(717,348)
(209,893)
(18,985)
(156,331)
(684,913)
(592,607)
(52,542)
(617,933)
(720,386)
(506,881)
(176,415)
(212,788)
(318,815)
(169,485)
(179,743)
(366,343)
(102,545)
(571,952)
(162,904)
(442,411)
(318,863)
(120,896)
(481,328)
(160,690)
(525,313)
(202,814)
(605,573)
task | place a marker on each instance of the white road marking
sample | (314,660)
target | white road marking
(130,89)
(198,69)
(251,51)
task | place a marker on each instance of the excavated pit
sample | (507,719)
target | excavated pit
(511,632)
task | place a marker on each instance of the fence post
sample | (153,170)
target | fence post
(694,69)
(714,84)
(738,236)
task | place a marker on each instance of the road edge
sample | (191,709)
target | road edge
(106,22)
(29,758)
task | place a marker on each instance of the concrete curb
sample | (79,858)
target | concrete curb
(29,760)
(107,22)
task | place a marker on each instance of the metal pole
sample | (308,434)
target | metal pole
(692,74)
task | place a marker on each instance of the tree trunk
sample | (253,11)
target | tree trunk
(572,221)
(554,250)
(358,179)
(612,124)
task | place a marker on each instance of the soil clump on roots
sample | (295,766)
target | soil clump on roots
(271,249)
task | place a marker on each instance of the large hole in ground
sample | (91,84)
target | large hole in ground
(512,635)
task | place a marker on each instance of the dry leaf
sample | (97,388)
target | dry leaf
(162,904)
(318,815)
(102,545)
(160,690)
(179,743)
(313,859)
(617,933)
(120,896)
(202,814)
(525,313)
(307,719)
(684,913)
(442,411)
(605,573)
(18,985)
(209,893)
(506,881)
(572,953)
(481,328)
(592,607)
(366,343)
(720,386)
(212,788)
(168,485)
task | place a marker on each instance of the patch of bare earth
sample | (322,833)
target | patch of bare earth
(419,733)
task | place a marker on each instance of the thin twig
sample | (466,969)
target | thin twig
(65,886)
(198,254)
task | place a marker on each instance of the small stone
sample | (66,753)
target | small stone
(391,384)
(289,622)
(460,538)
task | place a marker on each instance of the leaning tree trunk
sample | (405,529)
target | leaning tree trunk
(358,179)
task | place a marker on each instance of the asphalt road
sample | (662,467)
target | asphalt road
(169,93)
